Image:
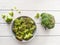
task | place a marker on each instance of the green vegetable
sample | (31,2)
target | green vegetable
(20,37)
(37,15)
(11,13)
(28,36)
(15,8)
(8,20)
(23,28)
(32,29)
(3,16)
(47,20)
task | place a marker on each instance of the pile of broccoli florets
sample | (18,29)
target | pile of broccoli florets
(24,27)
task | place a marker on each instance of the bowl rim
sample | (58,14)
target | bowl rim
(33,33)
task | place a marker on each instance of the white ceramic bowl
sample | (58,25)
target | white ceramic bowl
(33,33)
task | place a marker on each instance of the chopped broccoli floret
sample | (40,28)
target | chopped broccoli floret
(28,36)
(20,37)
(3,16)
(37,15)
(8,20)
(11,13)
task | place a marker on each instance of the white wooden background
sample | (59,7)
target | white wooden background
(30,8)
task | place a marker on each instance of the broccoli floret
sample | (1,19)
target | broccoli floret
(37,15)
(32,29)
(11,13)
(15,29)
(3,16)
(28,36)
(26,30)
(32,22)
(47,20)
(17,22)
(15,8)
(8,20)
(19,37)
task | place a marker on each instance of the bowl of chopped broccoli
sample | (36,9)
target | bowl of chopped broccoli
(23,28)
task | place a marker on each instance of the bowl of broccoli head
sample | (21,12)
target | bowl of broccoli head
(23,28)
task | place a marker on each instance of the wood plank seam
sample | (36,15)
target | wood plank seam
(28,10)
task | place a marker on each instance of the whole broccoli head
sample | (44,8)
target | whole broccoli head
(47,20)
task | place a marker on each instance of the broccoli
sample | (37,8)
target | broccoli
(11,13)
(8,20)
(15,8)
(28,36)
(32,29)
(24,28)
(3,16)
(15,29)
(47,20)
(19,37)
(37,15)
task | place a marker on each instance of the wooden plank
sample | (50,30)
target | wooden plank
(42,40)
(5,30)
(31,4)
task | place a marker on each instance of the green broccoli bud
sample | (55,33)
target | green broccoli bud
(19,37)
(8,20)
(3,16)
(26,30)
(37,15)
(28,36)
(32,29)
(15,29)
(47,20)
(11,13)
(32,22)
